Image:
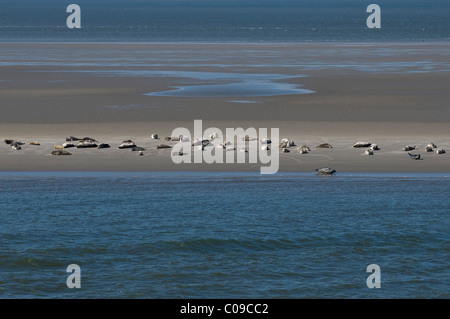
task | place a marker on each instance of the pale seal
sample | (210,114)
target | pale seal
(127,144)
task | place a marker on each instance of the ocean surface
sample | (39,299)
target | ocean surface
(224,235)
(224,21)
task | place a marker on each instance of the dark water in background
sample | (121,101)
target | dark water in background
(224,20)
(216,235)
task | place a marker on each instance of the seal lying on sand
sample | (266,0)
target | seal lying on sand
(374,147)
(86,143)
(72,138)
(440,151)
(414,156)
(61,152)
(304,149)
(103,145)
(68,145)
(9,142)
(362,144)
(35,143)
(155,136)
(325,171)
(430,147)
(324,145)
(127,144)
(197,142)
(15,146)
(88,139)
(408,148)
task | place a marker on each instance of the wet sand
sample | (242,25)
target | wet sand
(389,94)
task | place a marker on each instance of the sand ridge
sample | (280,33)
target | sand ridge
(391,94)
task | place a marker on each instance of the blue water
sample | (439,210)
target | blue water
(223,235)
(224,21)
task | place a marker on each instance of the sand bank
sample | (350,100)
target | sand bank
(389,94)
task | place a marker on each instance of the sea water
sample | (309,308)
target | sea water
(224,21)
(224,235)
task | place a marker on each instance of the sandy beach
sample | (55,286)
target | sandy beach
(389,94)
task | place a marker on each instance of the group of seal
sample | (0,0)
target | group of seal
(88,142)
(15,145)
(429,148)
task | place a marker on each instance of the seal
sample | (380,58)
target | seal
(325,171)
(374,147)
(61,152)
(197,142)
(283,144)
(127,144)
(86,144)
(15,146)
(68,145)
(414,156)
(408,148)
(72,139)
(362,144)
(103,145)
(324,145)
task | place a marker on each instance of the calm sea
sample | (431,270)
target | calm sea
(224,20)
(221,235)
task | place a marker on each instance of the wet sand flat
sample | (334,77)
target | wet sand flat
(391,94)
